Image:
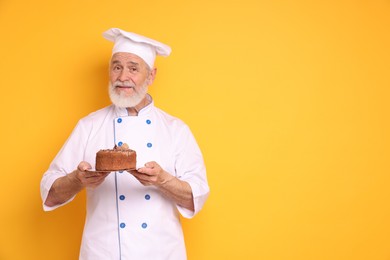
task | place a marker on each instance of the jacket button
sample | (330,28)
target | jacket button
(120,144)
(122,197)
(144,225)
(122,225)
(149,145)
(119,120)
(147,197)
(148,122)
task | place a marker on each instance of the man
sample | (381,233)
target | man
(131,215)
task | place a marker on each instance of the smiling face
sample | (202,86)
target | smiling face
(129,79)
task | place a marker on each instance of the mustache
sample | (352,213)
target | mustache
(123,84)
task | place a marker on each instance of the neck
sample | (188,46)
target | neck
(133,111)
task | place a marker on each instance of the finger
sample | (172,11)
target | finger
(140,171)
(98,181)
(143,178)
(148,170)
(139,175)
(145,183)
(95,184)
(89,174)
(95,181)
(151,164)
(132,171)
(83,166)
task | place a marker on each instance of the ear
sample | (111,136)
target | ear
(152,75)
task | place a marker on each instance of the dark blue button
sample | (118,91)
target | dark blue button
(148,122)
(144,225)
(121,197)
(120,171)
(122,225)
(119,120)
(120,144)
(147,197)
(149,145)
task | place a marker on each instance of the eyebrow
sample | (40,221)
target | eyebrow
(114,62)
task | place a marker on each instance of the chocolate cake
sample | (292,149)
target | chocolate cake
(117,159)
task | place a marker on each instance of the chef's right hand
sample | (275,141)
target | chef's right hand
(89,178)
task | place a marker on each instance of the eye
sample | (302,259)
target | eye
(116,68)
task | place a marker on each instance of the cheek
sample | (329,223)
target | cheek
(142,80)
(112,77)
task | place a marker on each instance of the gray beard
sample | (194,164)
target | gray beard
(123,101)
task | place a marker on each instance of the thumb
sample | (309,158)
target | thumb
(84,166)
(150,164)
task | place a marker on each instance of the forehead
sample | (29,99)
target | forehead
(125,58)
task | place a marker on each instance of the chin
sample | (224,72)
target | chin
(125,101)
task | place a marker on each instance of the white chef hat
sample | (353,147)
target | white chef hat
(145,48)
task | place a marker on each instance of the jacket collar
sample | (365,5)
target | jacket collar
(121,111)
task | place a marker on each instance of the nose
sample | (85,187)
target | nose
(123,76)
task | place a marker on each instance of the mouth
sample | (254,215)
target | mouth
(123,87)
(125,90)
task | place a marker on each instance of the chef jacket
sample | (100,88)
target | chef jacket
(126,220)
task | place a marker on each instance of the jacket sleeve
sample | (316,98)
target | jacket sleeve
(66,161)
(190,167)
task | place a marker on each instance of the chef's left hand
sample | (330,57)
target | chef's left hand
(152,174)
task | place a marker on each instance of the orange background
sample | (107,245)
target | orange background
(289,102)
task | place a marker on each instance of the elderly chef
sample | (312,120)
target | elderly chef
(131,215)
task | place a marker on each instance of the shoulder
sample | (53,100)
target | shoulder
(169,119)
(173,126)
(99,116)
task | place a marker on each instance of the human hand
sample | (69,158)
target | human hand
(88,178)
(152,174)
